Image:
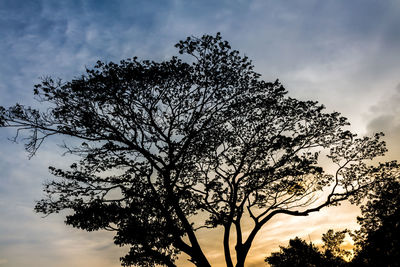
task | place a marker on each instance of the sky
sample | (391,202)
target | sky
(344,54)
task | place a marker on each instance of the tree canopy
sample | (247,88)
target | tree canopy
(299,253)
(378,240)
(163,141)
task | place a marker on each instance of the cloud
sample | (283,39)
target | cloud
(384,116)
(342,53)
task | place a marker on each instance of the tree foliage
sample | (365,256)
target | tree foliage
(164,141)
(299,253)
(378,240)
(332,244)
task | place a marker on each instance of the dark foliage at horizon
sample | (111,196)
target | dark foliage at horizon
(376,243)
(160,142)
(299,253)
(378,240)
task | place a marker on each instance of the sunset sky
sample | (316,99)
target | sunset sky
(344,54)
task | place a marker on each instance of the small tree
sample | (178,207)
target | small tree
(297,254)
(301,254)
(332,244)
(161,142)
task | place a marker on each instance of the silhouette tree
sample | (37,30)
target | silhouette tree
(378,240)
(299,253)
(332,244)
(164,141)
(334,254)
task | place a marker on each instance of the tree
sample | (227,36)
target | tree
(162,142)
(299,253)
(332,244)
(378,240)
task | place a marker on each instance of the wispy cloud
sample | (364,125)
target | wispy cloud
(342,53)
(385,116)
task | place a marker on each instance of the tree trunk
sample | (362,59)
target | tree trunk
(241,254)
(200,260)
(227,252)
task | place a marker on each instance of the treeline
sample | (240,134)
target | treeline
(377,243)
